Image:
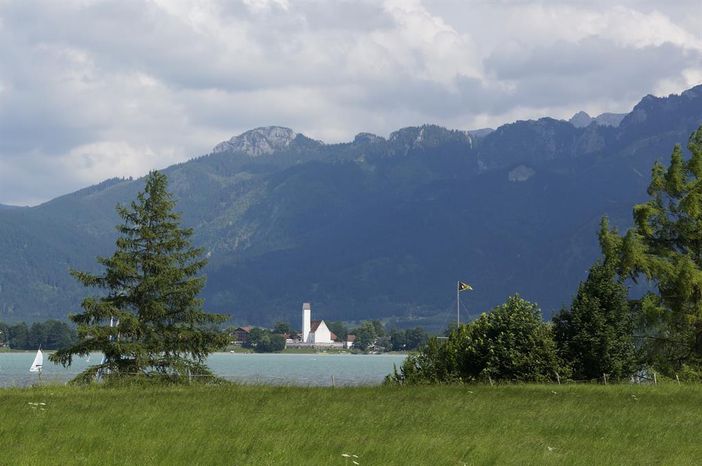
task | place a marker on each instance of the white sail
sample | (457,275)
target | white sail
(38,362)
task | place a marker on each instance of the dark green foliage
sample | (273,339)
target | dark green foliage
(283,328)
(18,336)
(264,341)
(339,329)
(366,335)
(409,339)
(49,335)
(595,336)
(151,286)
(665,246)
(379,328)
(511,343)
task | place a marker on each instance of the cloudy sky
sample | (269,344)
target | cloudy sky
(95,89)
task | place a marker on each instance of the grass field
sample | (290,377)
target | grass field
(238,425)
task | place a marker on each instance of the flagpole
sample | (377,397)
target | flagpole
(458,305)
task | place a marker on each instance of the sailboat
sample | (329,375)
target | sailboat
(38,362)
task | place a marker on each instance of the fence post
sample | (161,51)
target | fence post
(604,376)
(333,382)
(655,379)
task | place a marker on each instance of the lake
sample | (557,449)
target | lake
(276,369)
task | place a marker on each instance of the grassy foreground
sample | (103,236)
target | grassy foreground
(257,425)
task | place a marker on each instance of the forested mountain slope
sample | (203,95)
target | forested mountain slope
(376,227)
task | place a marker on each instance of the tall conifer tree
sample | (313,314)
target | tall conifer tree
(595,336)
(665,246)
(150,320)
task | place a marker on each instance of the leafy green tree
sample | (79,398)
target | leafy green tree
(383,343)
(595,336)
(52,334)
(409,339)
(283,328)
(19,336)
(665,247)
(264,341)
(510,343)
(58,335)
(379,328)
(339,329)
(37,335)
(149,321)
(255,336)
(365,335)
(273,344)
(398,339)
(416,337)
(4,334)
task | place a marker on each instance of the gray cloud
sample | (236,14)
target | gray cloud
(93,89)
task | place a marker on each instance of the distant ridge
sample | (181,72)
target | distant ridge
(582,119)
(372,228)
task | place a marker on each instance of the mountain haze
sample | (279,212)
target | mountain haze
(376,227)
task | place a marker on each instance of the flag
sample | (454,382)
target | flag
(463,286)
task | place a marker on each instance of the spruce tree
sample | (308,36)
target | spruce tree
(665,247)
(149,321)
(595,336)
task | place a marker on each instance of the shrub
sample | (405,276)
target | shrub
(510,343)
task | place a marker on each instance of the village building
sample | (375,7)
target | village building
(317,333)
(241,334)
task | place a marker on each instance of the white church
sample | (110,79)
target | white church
(316,332)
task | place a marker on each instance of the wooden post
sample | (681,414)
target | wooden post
(655,379)
(604,376)
(333,382)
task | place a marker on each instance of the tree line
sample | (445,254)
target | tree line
(604,334)
(50,335)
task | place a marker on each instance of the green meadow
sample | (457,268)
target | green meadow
(422,425)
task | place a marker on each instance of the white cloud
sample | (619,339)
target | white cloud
(94,89)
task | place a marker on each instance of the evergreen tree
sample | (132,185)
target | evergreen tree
(665,246)
(149,321)
(595,336)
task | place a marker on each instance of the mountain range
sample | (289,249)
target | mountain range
(373,228)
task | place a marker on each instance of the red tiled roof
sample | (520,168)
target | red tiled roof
(246,329)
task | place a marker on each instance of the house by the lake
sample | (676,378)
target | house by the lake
(241,334)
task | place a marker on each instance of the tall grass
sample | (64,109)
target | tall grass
(442,425)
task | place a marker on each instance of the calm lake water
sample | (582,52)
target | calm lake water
(278,369)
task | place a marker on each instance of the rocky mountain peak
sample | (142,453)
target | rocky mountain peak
(580,119)
(367,138)
(258,141)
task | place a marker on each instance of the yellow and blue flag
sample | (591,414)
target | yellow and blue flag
(463,286)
